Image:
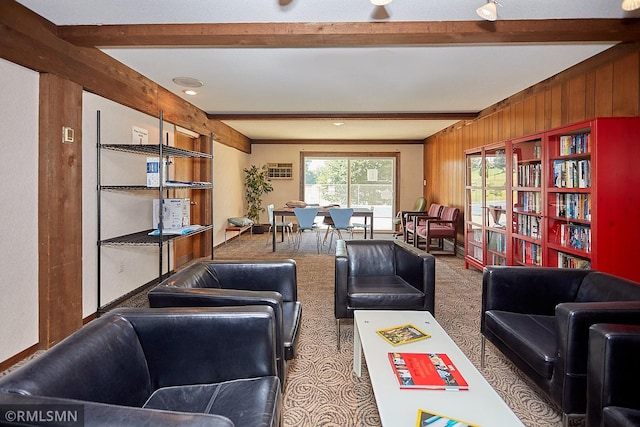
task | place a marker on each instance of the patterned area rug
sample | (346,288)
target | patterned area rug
(322,389)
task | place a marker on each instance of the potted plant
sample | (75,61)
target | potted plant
(256,183)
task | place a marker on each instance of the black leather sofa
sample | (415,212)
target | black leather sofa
(539,318)
(382,275)
(612,376)
(158,367)
(235,283)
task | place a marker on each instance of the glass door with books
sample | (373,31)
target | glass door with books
(474,211)
(569,199)
(496,202)
(527,201)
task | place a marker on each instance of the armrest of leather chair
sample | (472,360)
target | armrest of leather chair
(341,280)
(530,290)
(573,320)
(418,268)
(105,415)
(205,345)
(612,368)
(264,275)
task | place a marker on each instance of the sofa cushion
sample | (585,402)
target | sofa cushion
(601,287)
(532,337)
(367,260)
(382,291)
(249,402)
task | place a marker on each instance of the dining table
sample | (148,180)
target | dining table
(323,211)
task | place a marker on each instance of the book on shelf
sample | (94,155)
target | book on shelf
(175,231)
(432,419)
(402,334)
(432,371)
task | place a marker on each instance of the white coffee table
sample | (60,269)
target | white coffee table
(479,405)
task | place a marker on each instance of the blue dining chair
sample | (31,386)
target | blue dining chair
(341,218)
(306,221)
(273,227)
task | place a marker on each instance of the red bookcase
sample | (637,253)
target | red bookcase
(573,199)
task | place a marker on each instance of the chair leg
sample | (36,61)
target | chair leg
(338,336)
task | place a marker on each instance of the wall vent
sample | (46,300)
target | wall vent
(280,170)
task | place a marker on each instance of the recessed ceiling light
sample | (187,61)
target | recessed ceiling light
(338,123)
(187,82)
(190,92)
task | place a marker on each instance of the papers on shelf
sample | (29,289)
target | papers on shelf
(174,183)
(176,231)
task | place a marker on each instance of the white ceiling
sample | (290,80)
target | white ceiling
(416,79)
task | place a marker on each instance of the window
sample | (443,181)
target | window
(352,180)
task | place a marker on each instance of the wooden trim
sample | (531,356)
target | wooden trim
(340,34)
(30,351)
(338,141)
(345,116)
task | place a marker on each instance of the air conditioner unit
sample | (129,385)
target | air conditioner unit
(280,170)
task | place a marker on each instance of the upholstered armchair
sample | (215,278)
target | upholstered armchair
(399,221)
(539,318)
(382,275)
(434,212)
(613,373)
(430,229)
(157,367)
(238,283)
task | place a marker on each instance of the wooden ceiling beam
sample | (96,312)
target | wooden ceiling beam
(344,116)
(338,141)
(352,34)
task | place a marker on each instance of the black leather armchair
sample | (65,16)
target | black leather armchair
(159,367)
(612,376)
(539,318)
(382,274)
(236,283)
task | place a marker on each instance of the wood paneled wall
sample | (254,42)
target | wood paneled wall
(605,85)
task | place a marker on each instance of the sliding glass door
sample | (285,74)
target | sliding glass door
(352,181)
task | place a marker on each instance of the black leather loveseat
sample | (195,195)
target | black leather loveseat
(158,367)
(235,283)
(539,318)
(382,275)
(613,375)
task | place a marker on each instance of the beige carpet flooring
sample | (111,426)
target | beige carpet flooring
(323,391)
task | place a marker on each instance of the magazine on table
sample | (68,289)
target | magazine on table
(434,371)
(402,334)
(431,419)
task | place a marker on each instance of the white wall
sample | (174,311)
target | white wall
(411,167)
(228,184)
(19,212)
(125,268)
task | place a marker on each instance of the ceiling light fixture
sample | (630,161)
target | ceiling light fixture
(338,123)
(630,5)
(187,82)
(489,11)
(190,92)
(380,2)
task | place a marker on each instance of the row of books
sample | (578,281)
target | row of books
(572,173)
(529,201)
(529,175)
(497,242)
(575,144)
(576,236)
(529,253)
(527,225)
(569,261)
(573,205)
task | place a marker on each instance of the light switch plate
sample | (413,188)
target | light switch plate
(67,135)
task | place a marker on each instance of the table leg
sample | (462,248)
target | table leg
(273,235)
(371,229)
(357,351)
